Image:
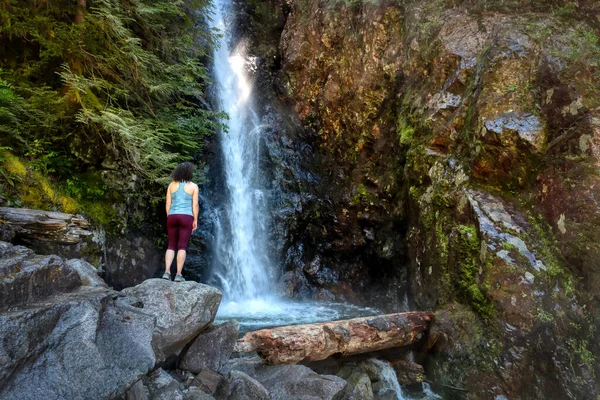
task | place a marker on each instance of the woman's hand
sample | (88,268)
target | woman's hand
(194,225)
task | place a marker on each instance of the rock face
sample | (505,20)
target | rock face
(453,152)
(211,349)
(182,311)
(65,335)
(293,344)
(131,259)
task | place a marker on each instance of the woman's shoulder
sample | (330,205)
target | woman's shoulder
(189,185)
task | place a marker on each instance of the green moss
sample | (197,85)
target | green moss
(100,212)
(547,250)
(404,131)
(467,245)
(362,195)
(33,189)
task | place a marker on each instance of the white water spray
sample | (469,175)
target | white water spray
(242,263)
(390,388)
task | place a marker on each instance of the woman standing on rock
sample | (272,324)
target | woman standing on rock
(182,216)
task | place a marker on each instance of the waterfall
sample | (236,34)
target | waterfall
(390,388)
(241,262)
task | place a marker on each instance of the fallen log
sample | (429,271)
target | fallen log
(313,342)
(46,226)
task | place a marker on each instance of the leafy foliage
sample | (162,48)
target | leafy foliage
(121,80)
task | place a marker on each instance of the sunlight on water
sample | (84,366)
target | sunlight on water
(268,312)
(242,266)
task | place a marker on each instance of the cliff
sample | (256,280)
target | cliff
(454,159)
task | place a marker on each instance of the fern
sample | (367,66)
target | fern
(127,80)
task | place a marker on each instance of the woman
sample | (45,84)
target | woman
(182,216)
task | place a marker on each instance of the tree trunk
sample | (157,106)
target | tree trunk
(312,342)
(81,5)
(45,226)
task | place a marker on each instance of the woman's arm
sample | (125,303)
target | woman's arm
(168,199)
(195,207)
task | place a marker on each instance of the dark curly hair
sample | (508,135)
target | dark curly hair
(183,172)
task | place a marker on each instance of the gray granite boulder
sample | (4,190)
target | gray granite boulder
(212,348)
(81,345)
(65,335)
(239,386)
(358,387)
(195,393)
(182,310)
(87,273)
(207,380)
(26,277)
(162,386)
(137,392)
(286,382)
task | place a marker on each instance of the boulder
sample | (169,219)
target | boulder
(26,277)
(87,273)
(182,310)
(286,382)
(81,345)
(240,386)
(195,393)
(408,372)
(137,392)
(62,331)
(162,386)
(207,380)
(212,348)
(358,387)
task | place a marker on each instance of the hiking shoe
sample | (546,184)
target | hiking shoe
(179,278)
(167,276)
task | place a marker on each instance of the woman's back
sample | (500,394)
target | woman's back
(181,201)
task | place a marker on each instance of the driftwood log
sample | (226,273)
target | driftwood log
(312,342)
(40,225)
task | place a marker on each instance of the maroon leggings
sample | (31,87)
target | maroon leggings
(179,228)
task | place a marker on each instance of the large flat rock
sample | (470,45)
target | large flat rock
(182,311)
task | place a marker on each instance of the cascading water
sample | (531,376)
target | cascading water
(243,265)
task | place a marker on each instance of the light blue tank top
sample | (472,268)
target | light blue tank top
(181,201)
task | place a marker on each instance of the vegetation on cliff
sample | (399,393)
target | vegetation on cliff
(99,95)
